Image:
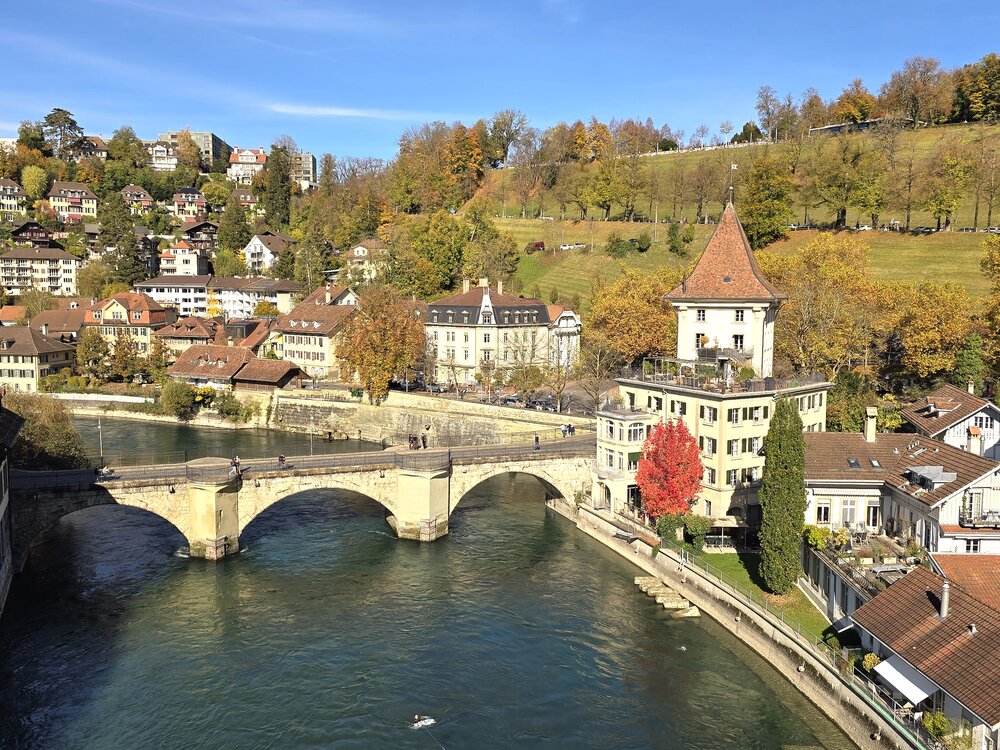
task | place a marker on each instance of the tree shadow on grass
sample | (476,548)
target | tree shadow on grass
(751,563)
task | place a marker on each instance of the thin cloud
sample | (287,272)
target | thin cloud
(8,127)
(309,110)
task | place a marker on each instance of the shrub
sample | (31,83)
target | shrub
(231,408)
(178,400)
(937,724)
(617,247)
(870,662)
(818,537)
(643,242)
(667,525)
(697,528)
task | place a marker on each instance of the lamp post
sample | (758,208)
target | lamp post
(312,427)
(100,440)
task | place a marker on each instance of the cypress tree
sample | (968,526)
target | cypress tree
(782,499)
(234,232)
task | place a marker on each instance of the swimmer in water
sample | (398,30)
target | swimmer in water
(422,722)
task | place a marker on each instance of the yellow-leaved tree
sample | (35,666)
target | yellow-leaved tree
(630,316)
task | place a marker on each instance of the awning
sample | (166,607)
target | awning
(905,679)
(727,522)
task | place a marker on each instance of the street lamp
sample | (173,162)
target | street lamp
(312,427)
(100,439)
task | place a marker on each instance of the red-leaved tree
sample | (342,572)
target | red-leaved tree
(669,470)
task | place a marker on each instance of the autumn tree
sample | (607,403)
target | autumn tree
(382,339)
(670,470)
(782,498)
(855,103)
(278,196)
(229,263)
(932,329)
(48,440)
(188,152)
(631,317)
(91,353)
(126,147)
(124,357)
(35,181)
(921,91)
(234,232)
(946,183)
(92,278)
(766,207)
(265,309)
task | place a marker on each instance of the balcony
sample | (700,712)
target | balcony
(981,519)
(714,377)
(610,409)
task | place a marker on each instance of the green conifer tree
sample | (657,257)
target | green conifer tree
(782,499)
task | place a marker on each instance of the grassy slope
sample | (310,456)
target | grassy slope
(926,142)
(948,256)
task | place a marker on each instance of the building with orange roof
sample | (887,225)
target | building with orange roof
(244,163)
(720,385)
(137,315)
(309,334)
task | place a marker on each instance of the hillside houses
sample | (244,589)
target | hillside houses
(13,200)
(263,249)
(188,205)
(137,198)
(72,202)
(244,163)
(203,294)
(126,313)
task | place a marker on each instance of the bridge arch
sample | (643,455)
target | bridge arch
(35,511)
(565,478)
(257,497)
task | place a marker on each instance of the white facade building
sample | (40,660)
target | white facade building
(959,418)
(244,163)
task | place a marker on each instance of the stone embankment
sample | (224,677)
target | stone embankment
(666,597)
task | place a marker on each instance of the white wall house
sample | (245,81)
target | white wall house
(244,163)
(950,414)
(262,251)
(186,294)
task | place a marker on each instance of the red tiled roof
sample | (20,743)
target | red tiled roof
(266,371)
(942,408)
(828,457)
(27,341)
(194,327)
(905,618)
(474,298)
(977,574)
(210,361)
(727,269)
(13,313)
(310,318)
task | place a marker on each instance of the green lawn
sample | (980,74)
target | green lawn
(942,257)
(741,568)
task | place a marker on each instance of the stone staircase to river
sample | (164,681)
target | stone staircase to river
(665,596)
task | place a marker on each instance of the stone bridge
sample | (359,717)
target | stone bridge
(211,507)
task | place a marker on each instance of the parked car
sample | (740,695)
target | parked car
(993,230)
(437,388)
(565,246)
(864,228)
(534,247)
(514,400)
(968,229)
(579,246)
(923,230)
(543,405)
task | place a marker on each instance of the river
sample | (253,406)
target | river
(515,630)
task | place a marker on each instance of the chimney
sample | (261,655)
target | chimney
(970,384)
(329,297)
(500,287)
(484,282)
(465,285)
(974,445)
(871,418)
(945,599)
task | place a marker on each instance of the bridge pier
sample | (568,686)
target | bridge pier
(213,508)
(422,505)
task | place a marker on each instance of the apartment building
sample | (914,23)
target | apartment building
(244,163)
(180,259)
(212,147)
(202,235)
(308,335)
(138,199)
(204,295)
(182,334)
(46,269)
(726,314)
(263,249)
(484,325)
(188,204)
(136,315)
(26,355)
(13,200)
(72,202)
(188,295)
(162,156)
(304,170)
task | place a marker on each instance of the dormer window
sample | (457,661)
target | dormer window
(97,314)
(487,318)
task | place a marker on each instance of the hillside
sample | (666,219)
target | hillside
(943,257)
(664,169)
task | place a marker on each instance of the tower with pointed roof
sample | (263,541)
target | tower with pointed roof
(726,304)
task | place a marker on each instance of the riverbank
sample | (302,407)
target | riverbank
(813,676)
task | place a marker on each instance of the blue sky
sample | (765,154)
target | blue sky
(349,77)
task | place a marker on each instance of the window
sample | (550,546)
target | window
(972,546)
(847,512)
(823,513)
(486,338)
(709,476)
(872,518)
(700,316)
(739,316)
(731,477)
(707,445)
(699,339)
(734,416)
(983,422)
(678,407)
(487,318)
(636,432)
(738,343)
(466,337)
(708,413)
(611,429)
(733,448)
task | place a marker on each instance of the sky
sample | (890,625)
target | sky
(349,77)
